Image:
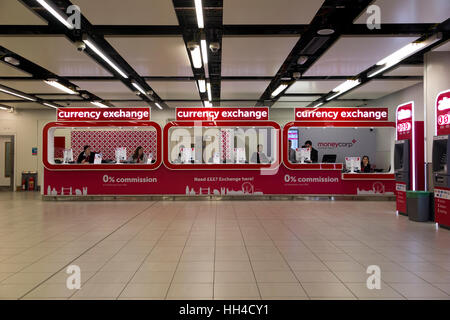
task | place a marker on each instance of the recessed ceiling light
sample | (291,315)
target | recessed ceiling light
(12,61)
(325,32)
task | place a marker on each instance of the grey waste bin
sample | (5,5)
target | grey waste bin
(418,205)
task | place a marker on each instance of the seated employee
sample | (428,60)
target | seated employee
(138,156)
(87,156)
(291,152)
(365,164)
(314,152)
(259,156)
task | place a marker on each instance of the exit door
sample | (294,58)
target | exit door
(7,163)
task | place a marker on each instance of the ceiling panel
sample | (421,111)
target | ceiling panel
(376,89)
(284,104)
(152,56)
(107,89)
(406,71)
(4,96)
(233,104)
(410,11)
(180,104)
(12,12)
(31,86)
(28,105)
(257,56)
(344,103)
(351,55)
(320,86)
(242,89)
(138,12)
(7,70)
(269,11)
(443,47)
(56,54)
(175,89)
(298,98)
(131,104)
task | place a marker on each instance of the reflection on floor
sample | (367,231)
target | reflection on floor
(217,250)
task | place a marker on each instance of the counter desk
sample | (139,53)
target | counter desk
(215,158)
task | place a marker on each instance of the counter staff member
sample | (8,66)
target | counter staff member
(259,156)
(86,156)
(138,156)
(291,152)
(314,152)
(365,164)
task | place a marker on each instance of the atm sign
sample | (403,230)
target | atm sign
(404,127)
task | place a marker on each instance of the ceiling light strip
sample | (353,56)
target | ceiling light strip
(59,86)
(92,46)
(54,12)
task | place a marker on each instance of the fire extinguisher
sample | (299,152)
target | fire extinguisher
(24,184)
(31,184)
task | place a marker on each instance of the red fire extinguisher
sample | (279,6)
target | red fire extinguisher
(31,184)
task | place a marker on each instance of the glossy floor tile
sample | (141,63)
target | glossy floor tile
(217,250)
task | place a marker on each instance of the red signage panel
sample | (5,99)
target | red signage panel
(442,206)
(341,114)
(404,120)
(103,114)
(222,114)
(443,113)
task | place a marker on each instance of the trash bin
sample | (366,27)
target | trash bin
(418,205)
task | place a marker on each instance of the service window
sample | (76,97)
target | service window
(101,147)
(353,147)
(222,146)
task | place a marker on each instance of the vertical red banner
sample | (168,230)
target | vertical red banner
(400,192)
(404,121)
(443,113)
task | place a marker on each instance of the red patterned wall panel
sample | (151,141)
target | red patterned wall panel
(107,141)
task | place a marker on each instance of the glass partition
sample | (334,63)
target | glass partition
(241,145)
(97,145)
(358,149)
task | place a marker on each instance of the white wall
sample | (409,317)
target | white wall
(436,79)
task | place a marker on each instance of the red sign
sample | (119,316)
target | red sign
(400,191)
(442,206)
(341,114)
(222,114)
(163,181)
(100,114)
(404,120)
(443,113)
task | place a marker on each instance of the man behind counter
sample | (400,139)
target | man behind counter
(314,152)
(86,156)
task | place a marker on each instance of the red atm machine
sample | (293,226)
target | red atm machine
(441,160)
(408,154)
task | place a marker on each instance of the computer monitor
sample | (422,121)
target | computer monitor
(98,158)
(329,158)
(302,155)
(187,155)
(68,155)
(353,164)
(121,154)
(239,155)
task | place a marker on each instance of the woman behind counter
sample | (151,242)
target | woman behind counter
(138,156)
(365,164)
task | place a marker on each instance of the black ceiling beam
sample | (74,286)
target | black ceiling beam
(212,31)
(228,30)
(86,29)
(333,15)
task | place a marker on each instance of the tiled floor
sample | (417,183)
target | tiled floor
(217,250)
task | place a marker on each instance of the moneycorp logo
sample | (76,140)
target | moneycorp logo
(335,145)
